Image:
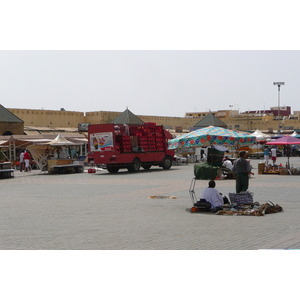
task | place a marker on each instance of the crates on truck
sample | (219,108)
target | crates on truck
(129,146)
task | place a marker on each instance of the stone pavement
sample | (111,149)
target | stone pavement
(113,211)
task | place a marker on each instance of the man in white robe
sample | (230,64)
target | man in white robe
(211,195)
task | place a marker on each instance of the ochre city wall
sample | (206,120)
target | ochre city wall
(53,118)
(65,119)
(49,118)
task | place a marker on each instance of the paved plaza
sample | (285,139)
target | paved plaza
(114,211)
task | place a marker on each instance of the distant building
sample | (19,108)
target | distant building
(284,111)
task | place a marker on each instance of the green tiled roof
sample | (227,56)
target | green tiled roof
(7,116)
(127,117)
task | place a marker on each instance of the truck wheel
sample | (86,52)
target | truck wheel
(135,166)
(112,169)
(167,163)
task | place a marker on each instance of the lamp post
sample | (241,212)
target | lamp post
(231,106)
(278,84)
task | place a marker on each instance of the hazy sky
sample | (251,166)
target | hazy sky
(154,59)
(165,83)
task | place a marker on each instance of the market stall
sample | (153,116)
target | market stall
(56,156)
(212,137)
(283,169)
(261,139)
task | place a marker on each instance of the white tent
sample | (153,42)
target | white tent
(260,136)
(294,133)
(61,141)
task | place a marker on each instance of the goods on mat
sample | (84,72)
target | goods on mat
(271,170)
(281,170)
(250,210)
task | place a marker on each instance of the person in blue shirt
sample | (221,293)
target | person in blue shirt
(266,155)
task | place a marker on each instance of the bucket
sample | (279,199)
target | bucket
(261,168)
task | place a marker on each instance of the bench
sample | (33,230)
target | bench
(66,168)
(6,173)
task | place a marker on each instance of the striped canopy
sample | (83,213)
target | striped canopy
(211,136)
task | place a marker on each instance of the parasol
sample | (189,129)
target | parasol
(296,136)
(211,135)
(284,141)
(245,148)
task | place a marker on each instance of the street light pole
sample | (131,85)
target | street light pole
(278,84)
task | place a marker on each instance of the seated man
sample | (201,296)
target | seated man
(227,168)
(211,195)
(227,163)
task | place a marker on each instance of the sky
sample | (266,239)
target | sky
(189,59)
(156,82)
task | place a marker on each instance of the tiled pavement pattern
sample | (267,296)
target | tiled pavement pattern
(113,211)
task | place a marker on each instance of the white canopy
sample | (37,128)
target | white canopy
(294,133)
(37,141)
(260,136)
(60,141)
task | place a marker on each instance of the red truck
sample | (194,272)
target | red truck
(129,146)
